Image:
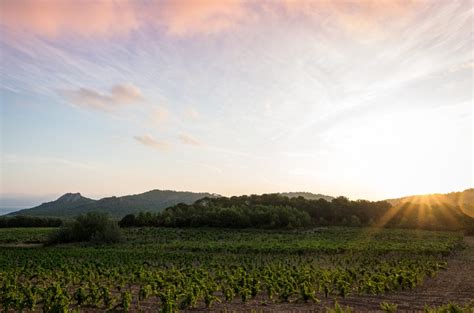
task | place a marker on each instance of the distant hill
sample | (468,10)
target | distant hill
(463,199)
(73,204)
(59,207)
(306,195)
(4,211)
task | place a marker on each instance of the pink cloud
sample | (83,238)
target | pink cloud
(188,17)
(125,93)
(52,18)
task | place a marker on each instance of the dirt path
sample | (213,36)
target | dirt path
(455,284)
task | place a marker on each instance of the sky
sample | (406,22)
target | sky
(367,99)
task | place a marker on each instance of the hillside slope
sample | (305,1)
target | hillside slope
(70,205)
(463,199)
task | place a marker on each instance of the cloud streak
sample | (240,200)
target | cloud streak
(149,141)
(92,99)
(48,161)
(188,140)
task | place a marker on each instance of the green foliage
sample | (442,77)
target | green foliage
(450,308)
(56,300)
(80,296)
(107,298)
(388,307)
(92,227)
(339,309)
(126,300)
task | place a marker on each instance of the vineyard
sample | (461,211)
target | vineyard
(167,270)
(24,235)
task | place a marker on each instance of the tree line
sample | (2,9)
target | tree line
(29,221)
(277,211)
(262,211)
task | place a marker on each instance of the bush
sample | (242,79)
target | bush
(92,227)
(128,221)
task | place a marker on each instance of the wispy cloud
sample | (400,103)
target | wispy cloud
(204,165)
(364,19)
(188,140)
(191,113)
(93,99)
(45,160)
(149,141)
(159,115)
(468,65)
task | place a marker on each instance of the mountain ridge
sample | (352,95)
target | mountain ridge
(72,204)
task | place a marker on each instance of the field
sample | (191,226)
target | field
(165,269)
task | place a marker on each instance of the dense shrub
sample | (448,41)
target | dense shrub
(92,227)
(28,221)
